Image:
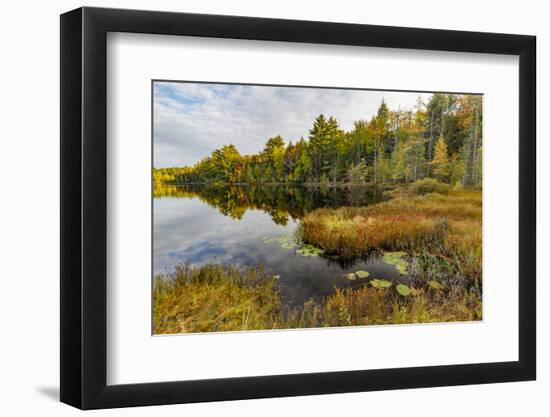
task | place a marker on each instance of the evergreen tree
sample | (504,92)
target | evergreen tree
(399,146)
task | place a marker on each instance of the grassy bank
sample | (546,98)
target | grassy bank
(214,298)
(225,298)
(445,224)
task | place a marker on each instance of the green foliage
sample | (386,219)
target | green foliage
(429,185)
(289,242)
(403,290)
(309,250)
(440,163)
(380,283)
(396,259)
(442,139)
(362,274)
(163,176)
(358,173)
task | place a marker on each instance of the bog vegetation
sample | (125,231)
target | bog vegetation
(427,164)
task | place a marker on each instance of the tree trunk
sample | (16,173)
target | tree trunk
(430,145)
(375,160)
(475,146)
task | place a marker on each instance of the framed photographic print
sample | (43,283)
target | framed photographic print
(258,207)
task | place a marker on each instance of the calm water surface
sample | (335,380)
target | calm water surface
(198,225)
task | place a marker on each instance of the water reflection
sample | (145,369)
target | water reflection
(280,202)
(230,225)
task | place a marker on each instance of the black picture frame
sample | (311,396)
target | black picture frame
(84,207)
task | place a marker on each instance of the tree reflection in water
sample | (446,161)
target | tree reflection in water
(281,202)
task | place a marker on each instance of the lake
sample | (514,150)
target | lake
(248,226)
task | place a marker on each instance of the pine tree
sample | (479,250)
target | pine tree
(442,138)
(323,140)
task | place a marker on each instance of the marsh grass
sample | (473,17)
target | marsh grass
(214,298)
(225,298)
(447,226)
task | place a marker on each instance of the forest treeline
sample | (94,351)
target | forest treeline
(439,139)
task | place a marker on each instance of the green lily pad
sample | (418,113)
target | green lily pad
(396,259)
(289,242)
(309,250)
(380,283)
(362,274)
(403,290)
(402,268)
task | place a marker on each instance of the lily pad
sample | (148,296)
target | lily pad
(403,290)
(351,276)
(436,285)
(402,268)
(284,241)
(396,259)
(362,274)
(287,241)
(380,283)
(309,250)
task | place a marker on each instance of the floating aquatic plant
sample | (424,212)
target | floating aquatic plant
(309,250)
(380,283)
(352,276)
(396,259)
(288,242)
(362,274)
(285,241)
(403,290)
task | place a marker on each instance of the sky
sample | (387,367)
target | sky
(193,119)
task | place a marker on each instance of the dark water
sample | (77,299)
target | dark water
(230,225)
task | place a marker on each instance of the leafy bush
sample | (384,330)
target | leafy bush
(429,185)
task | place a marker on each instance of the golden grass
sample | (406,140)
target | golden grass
(216,298)
(447,225)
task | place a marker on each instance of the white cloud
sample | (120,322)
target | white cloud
(193,119)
